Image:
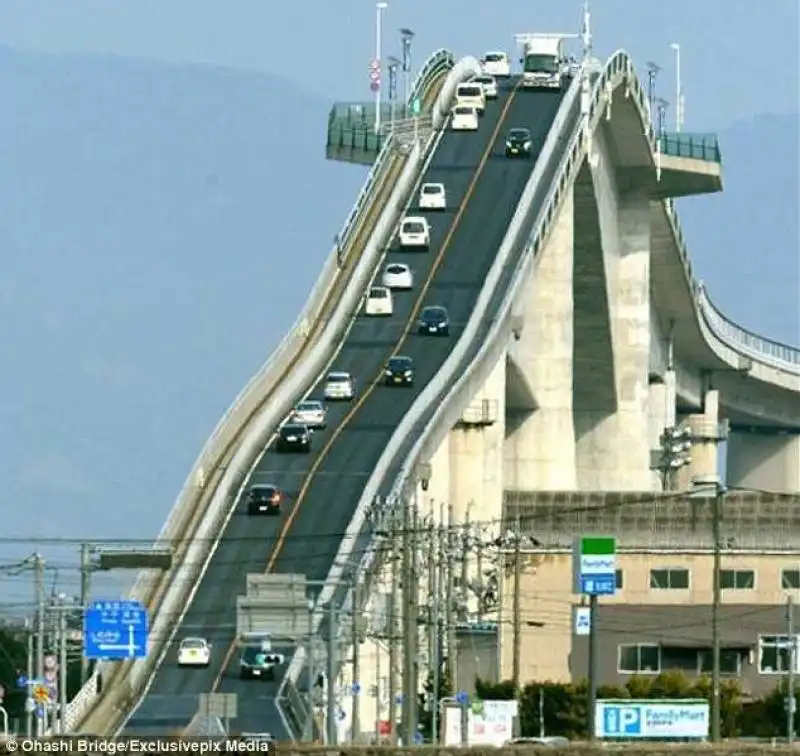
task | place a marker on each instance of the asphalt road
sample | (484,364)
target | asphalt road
(323,487)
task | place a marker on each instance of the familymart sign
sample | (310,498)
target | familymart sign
(594,565)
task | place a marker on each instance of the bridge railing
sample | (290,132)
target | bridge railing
(697,146)
(181,514)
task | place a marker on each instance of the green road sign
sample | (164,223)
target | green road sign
(594,565)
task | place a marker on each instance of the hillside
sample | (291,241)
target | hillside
(160,229)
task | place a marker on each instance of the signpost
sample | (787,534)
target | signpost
(115,630)
(679,718)
(583,620)
(594,573)
(222,706)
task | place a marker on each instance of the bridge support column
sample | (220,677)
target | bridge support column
(540,442)
(613,269)
(705,442)
(476,453)
(764,460)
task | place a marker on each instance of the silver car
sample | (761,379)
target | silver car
(310,413)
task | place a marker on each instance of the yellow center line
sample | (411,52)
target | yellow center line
(362,398)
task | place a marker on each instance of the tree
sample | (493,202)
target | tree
(13,662)
(503,690)
(427,701)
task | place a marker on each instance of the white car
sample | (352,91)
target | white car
(398,276)
(464,118)
(489,84)
(496,63)
(471,93)
(378,301)
(432,197)
(415,231)
(310,413)
(339,386)
(194,652)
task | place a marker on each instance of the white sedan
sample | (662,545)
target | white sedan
(378,301)
(489,84)
(398,276)
(339,386)
(194,652)
(415,232)
(432,197)
(465,118)
(496,64)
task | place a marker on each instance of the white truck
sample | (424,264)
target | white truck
(545,64)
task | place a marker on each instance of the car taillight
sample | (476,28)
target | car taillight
(276,497)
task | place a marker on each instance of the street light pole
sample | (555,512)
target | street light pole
(380,7)
(393,66)
(678,88)
(406,36)
(715,609)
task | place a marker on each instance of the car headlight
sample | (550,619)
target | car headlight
(388,372)
(527,145)
(508,145)
(407,374)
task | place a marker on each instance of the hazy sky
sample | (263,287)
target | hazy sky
(323,46)
(326,45)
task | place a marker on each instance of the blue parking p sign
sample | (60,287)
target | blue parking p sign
(622,721)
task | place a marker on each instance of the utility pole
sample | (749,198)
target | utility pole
(86,571)
(433,598)
(62,664)
(716,520)
(410,619)
(790,699)
(465,556)
(450,625)
(479,569)
(437,630)
(330,709)
(29,673)
(38,582)
(393,636)
(517,619)
(357,692)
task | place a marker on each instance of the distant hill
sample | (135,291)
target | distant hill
(745,242)
(160,227)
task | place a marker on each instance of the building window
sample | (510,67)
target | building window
(740,580)
(790,579)
(620,582)
(639,658)
(730,662)
(774,654)
(671,578)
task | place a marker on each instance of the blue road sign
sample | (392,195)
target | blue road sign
(356,688)
(418,738)
(398,698)
(598,585)
(115,630)
(22,681)
(39,711)
(462,698)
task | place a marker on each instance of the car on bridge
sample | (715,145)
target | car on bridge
(496,63)
(339,386)
(432,196)
(378,301)
(194,652)
(414,233)
(519,143)
(434,321)
(399,371)
(294,437)
(257,660)
(310,412)
(489,84)
(264,498)
(464,118)
(398,277)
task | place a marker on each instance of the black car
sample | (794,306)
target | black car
(434,321)
(518,143)
(256,663)
(294,437)
(264,499)
(399,371)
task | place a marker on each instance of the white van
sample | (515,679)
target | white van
(471,93)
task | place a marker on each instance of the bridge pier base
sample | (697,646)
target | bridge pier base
(764,460)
